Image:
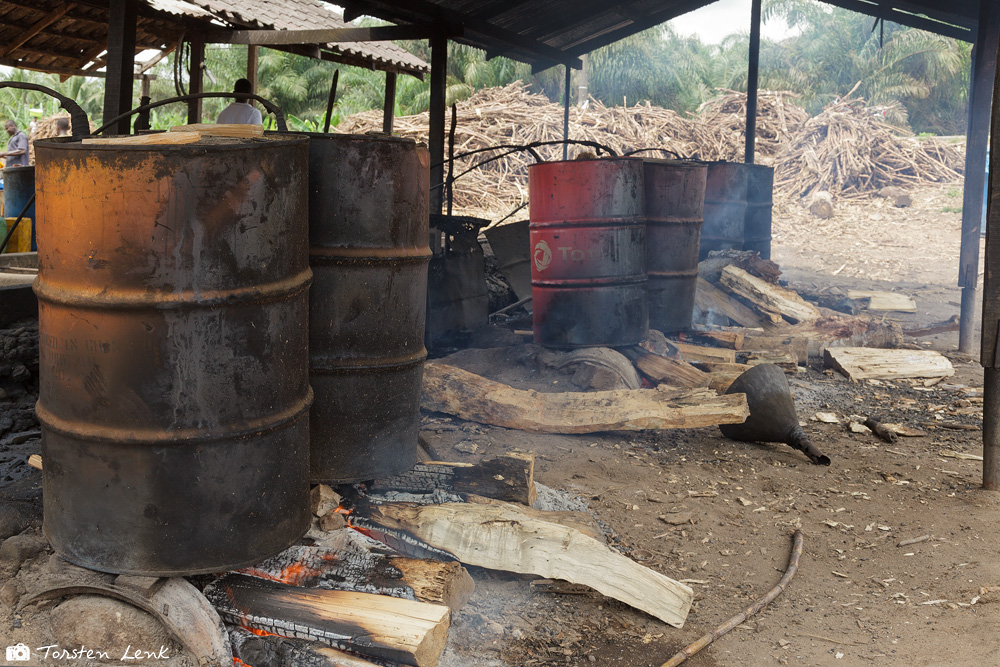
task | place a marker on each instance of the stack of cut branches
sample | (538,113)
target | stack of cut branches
(43,129)
(849,150)
(778,120)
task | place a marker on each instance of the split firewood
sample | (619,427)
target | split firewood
(881,430)
(454,391)
(274,651)
(876,300)
(35,461)
(732,340)
(501,537)
(222,129)
(797,344)
(692,353)
(581,521)
(786,361)
(380,626)
(346,560)
(768,298)
(509,477)
(709,298)
(156,138)
(664,370)
(862,363)
(951,324)
(721,375)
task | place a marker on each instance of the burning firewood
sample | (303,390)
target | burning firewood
(510,477)
(469,396)
(502,537)
(413,633)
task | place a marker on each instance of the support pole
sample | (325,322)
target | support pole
(991,429)
(566,112)
(435,139)
(389,105)
(984,62)
(195,84)
(752,82)
(583,81)
(120,61)
(253,56)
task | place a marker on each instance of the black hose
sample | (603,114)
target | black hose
(10,232)
(270,106)
(78,117)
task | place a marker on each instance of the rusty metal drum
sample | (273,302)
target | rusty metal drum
(174,393)
(757,226)
(725,207)
(368,247)
(588,245)
(675,199)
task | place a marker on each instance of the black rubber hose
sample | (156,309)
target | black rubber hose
(78,117)
(270,106)
(10,232)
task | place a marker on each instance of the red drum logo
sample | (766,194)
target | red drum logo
(543,255)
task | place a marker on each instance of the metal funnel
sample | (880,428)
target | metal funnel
(772,412)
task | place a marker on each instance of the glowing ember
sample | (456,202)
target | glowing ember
(295,574)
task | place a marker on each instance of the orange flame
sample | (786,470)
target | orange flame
(259,632)
(295,574)
(240,663)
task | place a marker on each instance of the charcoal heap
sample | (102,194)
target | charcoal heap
(18,393)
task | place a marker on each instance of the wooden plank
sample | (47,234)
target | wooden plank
(732,340)
(516,471)
(951,324)
(693,353)
(155,139)
(863,363)
(346,560)
(876,300)
(768,297)
(502,538)
(222,129)
(388,628)
(665,370)
(455,391)
(756,343)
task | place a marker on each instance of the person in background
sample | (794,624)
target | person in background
(62,126)
(17,148)
(241,111)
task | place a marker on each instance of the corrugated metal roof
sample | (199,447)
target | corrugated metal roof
(63,37)
(549,32)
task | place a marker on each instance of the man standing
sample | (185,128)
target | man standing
(241,111)
(17,147)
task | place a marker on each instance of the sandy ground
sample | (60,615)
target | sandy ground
(861,596)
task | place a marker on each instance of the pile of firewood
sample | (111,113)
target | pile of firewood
(778,120)
(849,150)
(43,129)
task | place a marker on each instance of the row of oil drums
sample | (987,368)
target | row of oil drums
(615,242)
(221,323)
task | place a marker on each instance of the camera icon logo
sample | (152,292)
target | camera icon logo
(18,653)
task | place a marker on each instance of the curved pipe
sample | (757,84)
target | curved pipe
(78,117)
(270,106)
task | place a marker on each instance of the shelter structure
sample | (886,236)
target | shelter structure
(544,33)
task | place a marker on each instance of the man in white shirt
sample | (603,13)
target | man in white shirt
(241,111)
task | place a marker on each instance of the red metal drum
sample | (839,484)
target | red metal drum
(675,199)
(588,244)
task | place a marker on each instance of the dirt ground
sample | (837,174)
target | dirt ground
(860,596)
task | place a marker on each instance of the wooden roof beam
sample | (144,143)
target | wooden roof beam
(881,10)
(40,25)
(330,35)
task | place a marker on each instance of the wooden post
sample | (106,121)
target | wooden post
(989,354)
(566,112)
(144,86)
(195,80)
(389,105)
(984,63)
(582,82)
(120,61)
(253,54)
(435,139)
(752,78)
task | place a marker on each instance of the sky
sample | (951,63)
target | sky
(715,21)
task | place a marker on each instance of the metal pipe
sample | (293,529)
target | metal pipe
(566,114)
(991,429)
(435,135)
(752,80)
(78,117)
(389,103)
(331,100)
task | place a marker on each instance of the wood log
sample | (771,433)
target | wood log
(708,297)
(454,391)
(272,651)
(692,353)
(581,521)
(877,300)
(951,324)
(503,538)
(665,370)
(769,298)
(509,477)
(156,138)
(796,344)
(346,560)
(222,129)
(731,340)
(380,626)
(863,363)
(785,360)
